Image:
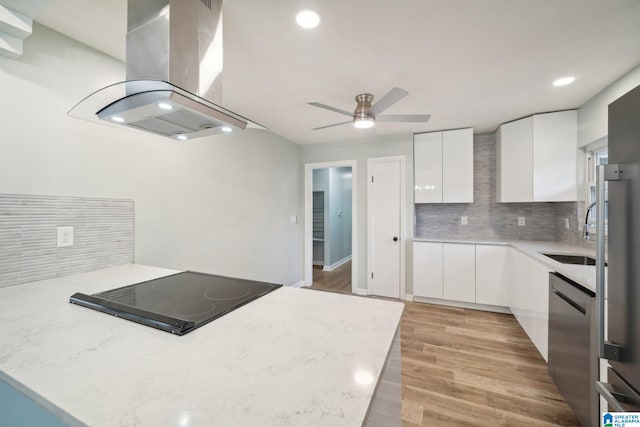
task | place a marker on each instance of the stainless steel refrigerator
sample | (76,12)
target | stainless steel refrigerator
(622,174)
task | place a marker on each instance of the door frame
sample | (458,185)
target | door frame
(403,202)
(308,218)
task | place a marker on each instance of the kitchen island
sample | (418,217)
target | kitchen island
(292,357)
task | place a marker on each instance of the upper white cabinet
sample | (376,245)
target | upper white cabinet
(537,158)
(443,166)
(427,161)
(514,161)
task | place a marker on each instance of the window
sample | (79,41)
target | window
(595,157)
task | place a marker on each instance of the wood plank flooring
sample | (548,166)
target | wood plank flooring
(465,367)
(473,368)
(338,280)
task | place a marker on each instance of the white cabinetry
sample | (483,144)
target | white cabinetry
(459,272)
(537,158)
(491,275)
(427,161)
(529,298)
(514,161)
(443,166)
(427,269)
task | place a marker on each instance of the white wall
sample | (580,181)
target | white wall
(593,114)
(361,150)
(218,204)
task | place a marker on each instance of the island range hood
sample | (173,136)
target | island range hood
(173,70)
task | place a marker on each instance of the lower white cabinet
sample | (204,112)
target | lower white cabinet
(489,275)
(492,284)
(459,272)
(427,269)
(529,298)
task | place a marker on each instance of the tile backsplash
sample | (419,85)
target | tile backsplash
(488,219)
(103,236)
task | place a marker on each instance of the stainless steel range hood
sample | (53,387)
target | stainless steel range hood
(174,73)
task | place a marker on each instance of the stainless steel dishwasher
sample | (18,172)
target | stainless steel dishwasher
(573,357)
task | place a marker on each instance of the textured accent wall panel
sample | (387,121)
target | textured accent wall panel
(487,219)
(103,236)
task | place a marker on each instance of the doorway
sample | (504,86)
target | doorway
(330,226)
(386,191)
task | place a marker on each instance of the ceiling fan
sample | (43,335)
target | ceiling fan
(365,115)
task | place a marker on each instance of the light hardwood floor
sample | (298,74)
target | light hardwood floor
(473,368)
(465,367)
(338,280)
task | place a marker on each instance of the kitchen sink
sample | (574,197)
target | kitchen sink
(573,259)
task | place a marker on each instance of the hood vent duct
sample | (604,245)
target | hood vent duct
(174,73)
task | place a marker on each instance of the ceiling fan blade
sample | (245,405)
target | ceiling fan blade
(393,96)
(330,108)
(330,126)
(407,118)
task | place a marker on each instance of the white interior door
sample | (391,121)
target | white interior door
(385,216)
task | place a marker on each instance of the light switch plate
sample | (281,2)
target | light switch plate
(293,219)
(566,223)
(521,221)
(65,236)
(464,220)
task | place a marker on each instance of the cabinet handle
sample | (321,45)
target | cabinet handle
(569,301)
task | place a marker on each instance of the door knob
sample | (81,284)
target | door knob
(395,238)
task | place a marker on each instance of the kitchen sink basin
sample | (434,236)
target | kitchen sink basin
(573,259)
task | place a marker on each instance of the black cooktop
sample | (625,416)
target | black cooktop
(178,303)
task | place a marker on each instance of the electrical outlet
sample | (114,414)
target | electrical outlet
(464,220)
(566,223)
(521,221)
(65,236)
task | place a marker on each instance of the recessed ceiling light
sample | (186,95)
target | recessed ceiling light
(363,122)
(563,81)
(308,18)
(165,106)
(118,119)
(182,137)
(226,129)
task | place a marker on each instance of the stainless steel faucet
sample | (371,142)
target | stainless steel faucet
(586,222)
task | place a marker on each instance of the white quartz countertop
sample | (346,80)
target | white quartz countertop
(294,357)
(584,275)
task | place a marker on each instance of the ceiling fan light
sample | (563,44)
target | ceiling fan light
(363,122)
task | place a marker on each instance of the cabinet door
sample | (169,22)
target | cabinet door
(514,161)
(555,156)
(531,279)
(540,307)
(457,166)
(427,269)
(427,158)
(459,268)
(491,275)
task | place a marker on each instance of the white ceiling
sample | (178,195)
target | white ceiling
(466,62)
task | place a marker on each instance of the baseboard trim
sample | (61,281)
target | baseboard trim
(460,304)
(363,292)
(408,297)
(336,264)
(299,284)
